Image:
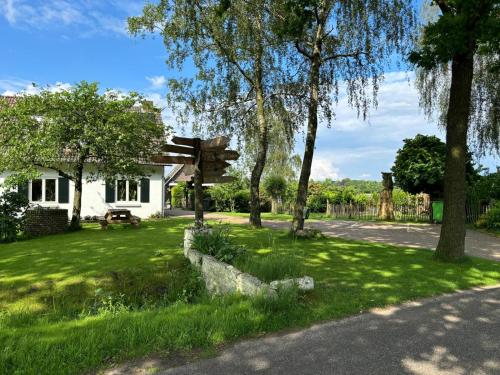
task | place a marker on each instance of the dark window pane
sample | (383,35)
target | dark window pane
(50,190)
(122,190)
(36,190)
(132,190)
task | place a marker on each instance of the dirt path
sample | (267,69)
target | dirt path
(410,235)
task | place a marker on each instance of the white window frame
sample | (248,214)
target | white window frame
(127,201)
(30,191)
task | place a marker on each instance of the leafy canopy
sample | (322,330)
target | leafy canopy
(63,130)
(462,25)
(420,163)
(275,186)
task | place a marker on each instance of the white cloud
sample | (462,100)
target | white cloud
(157,81)
(9,11)
(88,16)
(13,87)
(323,168)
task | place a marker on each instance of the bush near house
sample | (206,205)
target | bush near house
(13,207)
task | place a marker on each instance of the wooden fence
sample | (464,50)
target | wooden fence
(402,212)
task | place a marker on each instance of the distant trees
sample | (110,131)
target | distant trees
(420,164)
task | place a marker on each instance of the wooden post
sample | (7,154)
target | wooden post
(198,181)
(386,204)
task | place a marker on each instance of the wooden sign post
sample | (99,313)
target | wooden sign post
(208,161)
(198,181)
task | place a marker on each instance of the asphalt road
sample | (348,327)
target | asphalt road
(454,334)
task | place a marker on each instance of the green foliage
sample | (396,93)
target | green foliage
(242,201)
(231,196)
(419,166)
(462,28)
(272,266)
(486,188)
(13,206)
(491,219)
(218,244)
(401,197)
(275,186)
(78,125)
(450,35)
(147,287)
(178,194)
(35,324)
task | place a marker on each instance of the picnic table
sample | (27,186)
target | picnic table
(119,216)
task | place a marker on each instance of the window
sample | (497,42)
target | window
(132,191)
(43,190)
(121,191)
(127,191)
(50,190)
(36,190)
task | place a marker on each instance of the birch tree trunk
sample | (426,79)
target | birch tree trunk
(312,127)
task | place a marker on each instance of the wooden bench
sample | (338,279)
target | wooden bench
(119,216)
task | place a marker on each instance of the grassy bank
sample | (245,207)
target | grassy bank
(81,301)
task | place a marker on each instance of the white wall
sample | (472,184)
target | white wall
(93,196)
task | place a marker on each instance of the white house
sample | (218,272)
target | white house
(143,197)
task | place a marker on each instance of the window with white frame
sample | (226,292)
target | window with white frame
(43,190)
(127,191)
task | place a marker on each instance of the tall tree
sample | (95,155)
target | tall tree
(345,43)
(459,61)
(66,130)
(236,85)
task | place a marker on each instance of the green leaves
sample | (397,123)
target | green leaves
(62,130)
(419,165)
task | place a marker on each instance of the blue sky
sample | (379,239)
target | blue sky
(65,41)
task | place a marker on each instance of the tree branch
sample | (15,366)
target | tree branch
(443,5)
(302,50)
(228,55)
(61,173)
(339,55)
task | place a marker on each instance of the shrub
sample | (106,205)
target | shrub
(218,244)
(316,203)
(13,207)
(178,194)
(242,201)
(491,219)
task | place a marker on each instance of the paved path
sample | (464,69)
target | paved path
(411,235)
(455,334)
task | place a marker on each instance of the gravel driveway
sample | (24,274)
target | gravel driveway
(410,235)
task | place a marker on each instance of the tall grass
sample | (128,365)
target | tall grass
(270,267)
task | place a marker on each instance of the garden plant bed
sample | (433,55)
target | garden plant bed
(48,287)
(223,278)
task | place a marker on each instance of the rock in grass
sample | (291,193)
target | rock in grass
(303,283)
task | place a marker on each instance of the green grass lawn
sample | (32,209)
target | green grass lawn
(313,216)
(77,302)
